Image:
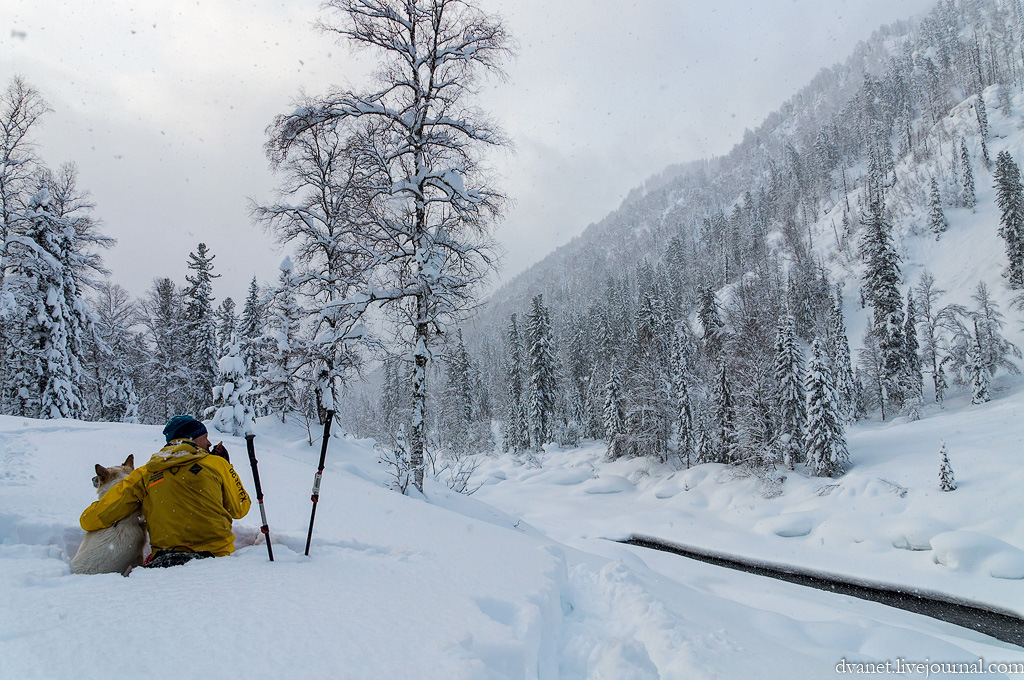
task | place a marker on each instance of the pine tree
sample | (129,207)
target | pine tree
(789,374)
(725,412)
(684,410)
(842,364)
(967,197)
(167,364)
(115,353)
(227,325)
(947,482)
(284,347)
(200,329)
(232,410)
(614,421)
(881,281)
(43,304)
(982,114)
(517,437)
(709,315)
(1010,197)
(542,373)
(390,401)
(913,397)
(250,330)
(936,217)
(825,442)
(457,400)
(977,368)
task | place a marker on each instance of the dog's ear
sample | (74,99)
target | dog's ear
(129,462)
(102,473)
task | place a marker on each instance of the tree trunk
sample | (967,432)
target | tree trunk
(418,436)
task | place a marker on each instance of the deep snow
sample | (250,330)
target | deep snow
(520,579)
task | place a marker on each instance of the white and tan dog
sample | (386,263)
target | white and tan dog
(116,549)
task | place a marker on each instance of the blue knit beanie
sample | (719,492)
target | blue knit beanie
(183,427)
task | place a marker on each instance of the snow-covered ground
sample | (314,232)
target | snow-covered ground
(884,521)
(520,579)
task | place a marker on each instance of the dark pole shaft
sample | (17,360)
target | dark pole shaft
(259,491)
(319,474)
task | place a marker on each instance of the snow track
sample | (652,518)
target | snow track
(1001,625)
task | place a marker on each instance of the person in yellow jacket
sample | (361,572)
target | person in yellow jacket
(188,498)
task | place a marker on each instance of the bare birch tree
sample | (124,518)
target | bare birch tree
(422,228)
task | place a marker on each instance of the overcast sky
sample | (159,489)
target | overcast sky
(164,105)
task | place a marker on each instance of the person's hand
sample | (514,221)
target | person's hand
(220,450)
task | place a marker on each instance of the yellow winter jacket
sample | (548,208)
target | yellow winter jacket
(188,498)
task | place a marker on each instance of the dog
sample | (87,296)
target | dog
(116,549)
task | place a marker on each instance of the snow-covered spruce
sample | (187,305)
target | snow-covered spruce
(232,401)
(825,441)
(43,309)
(283,346)
(789,376)
(200,330)
(947,482)
(1010,198)
(542,379)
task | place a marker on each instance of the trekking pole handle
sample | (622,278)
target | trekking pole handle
(316,485)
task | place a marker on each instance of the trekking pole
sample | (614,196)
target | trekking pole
(259,491)
(319,474)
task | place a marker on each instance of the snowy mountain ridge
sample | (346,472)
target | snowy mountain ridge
(680,198)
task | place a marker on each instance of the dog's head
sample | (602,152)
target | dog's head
(106,477)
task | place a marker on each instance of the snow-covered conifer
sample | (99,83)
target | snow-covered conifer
(881,281)
(278,383)
(457,399)
(825,442)
(163,394)
(200,329)
(614,422)
(947,482)
(710,317)
(913,397)
(517,435)
(789,376)
(977,368)
(250,329)
(685,435)
(982,115)
(936,217)
(227,324)
(968,198)
(1010,197)
(842,364)
(232,399)
(542,377)
(725,413)
(41,293)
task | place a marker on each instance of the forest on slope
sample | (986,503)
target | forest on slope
(857,203)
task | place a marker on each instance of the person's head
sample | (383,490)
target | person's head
(187,427)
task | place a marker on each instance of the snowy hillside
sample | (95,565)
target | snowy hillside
(519,580)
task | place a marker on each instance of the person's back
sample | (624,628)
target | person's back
(187,495)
